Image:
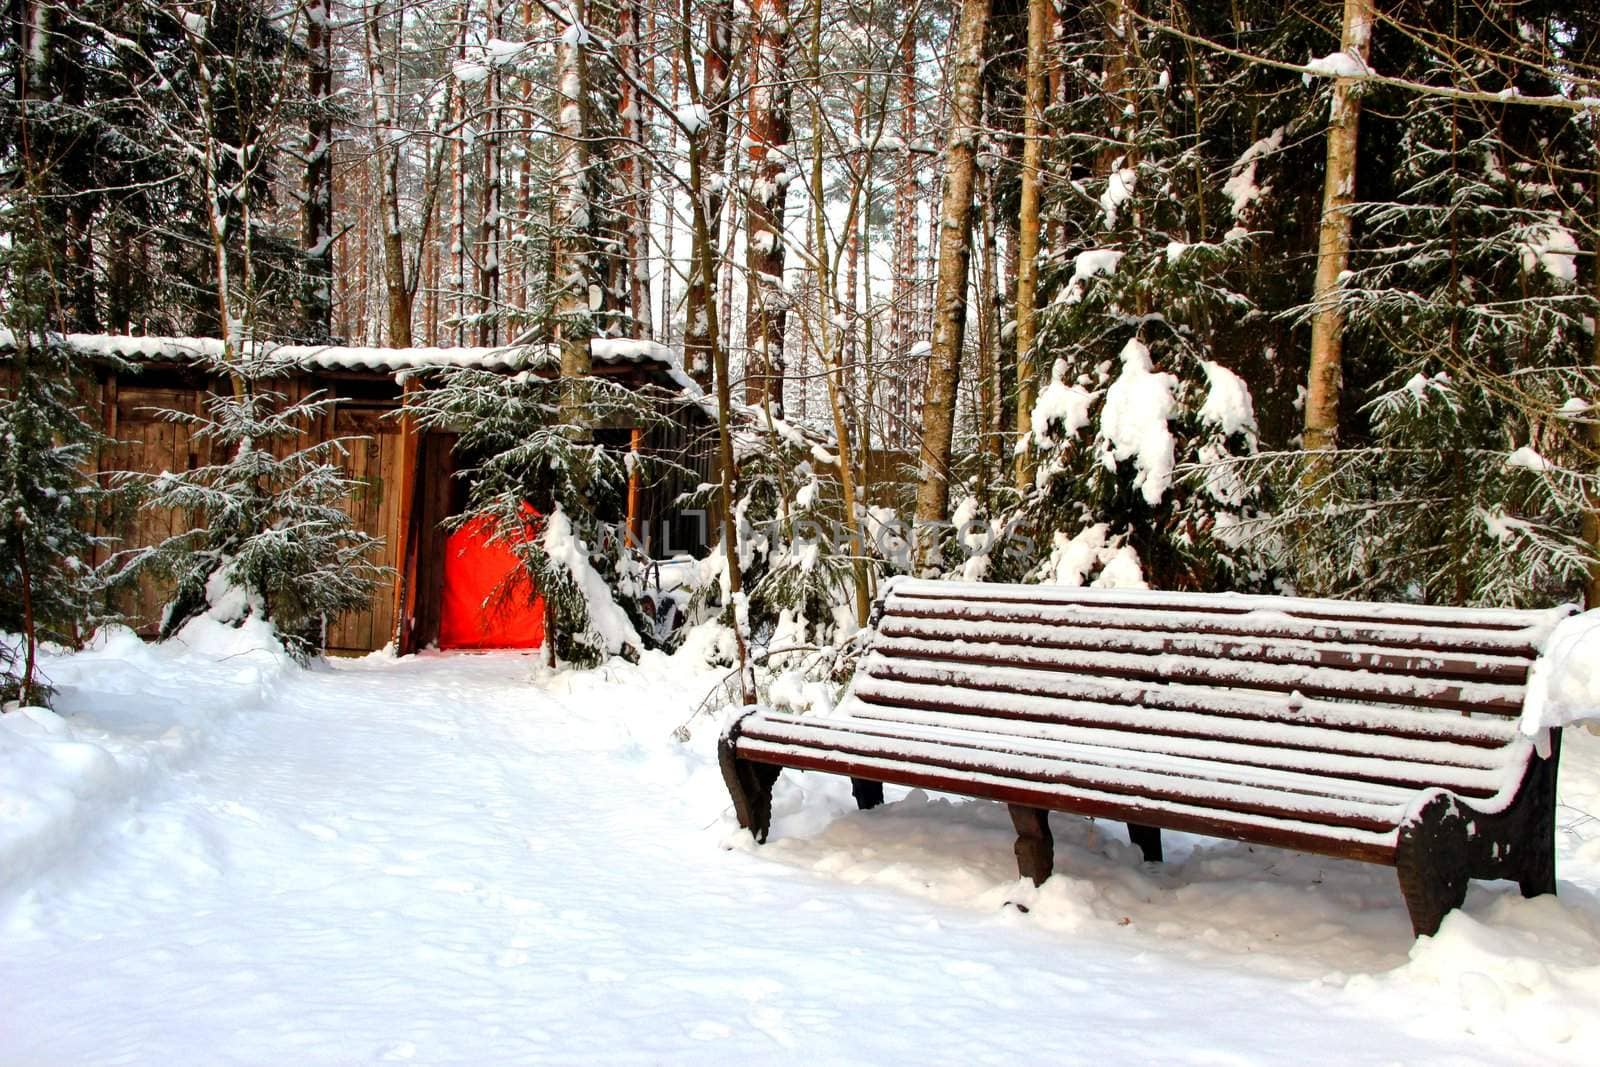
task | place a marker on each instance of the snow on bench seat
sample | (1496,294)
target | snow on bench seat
(1379,732)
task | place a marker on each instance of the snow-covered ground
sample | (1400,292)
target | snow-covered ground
(213,857)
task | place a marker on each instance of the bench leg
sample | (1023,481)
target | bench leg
(1148,838)
(1432,867)
(868,794)
(1035,848)
(750,786)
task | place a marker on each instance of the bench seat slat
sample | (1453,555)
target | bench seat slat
(1367,780)
(1311,681)
(1378,659)
(1026,711)
(1223,787)
(1223,706)
(1479,781)
(1374,846)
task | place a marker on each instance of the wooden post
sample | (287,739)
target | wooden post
(405,582)
(1035,848)
(635,445)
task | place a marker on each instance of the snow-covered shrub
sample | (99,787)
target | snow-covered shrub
(268,536)
(1149,325)
(1139,480)
(796,561)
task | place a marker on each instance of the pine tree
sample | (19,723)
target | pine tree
(269,537)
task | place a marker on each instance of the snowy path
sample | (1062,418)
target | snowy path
(442,861)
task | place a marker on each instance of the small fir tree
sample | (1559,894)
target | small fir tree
(1138,420)
(269,538)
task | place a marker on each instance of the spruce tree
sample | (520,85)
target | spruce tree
(1469,336)
(268,535)
(1140,415)
(48,580)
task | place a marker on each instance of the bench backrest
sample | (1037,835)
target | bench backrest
(1247,669)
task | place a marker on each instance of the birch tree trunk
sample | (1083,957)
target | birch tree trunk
(1028,237)
(1321,432)
(950,301)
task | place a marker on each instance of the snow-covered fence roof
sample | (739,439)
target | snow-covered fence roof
(609,351)
(752,424)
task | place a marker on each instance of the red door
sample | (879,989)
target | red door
(488,601)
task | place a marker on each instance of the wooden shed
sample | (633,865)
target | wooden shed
(407,484)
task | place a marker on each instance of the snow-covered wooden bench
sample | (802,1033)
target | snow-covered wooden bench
(1377,732)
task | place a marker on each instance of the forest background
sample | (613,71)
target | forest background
(1297,296)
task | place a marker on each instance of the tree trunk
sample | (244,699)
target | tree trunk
(635,200)
(493,180)
(950,302)
(1333,248)
(30,629)
(458,190)
(833,372)
(768,133)
(570,250)
(710,144)
(902,311)
(713,351)
(316,301)
(987,287)
(1028,238)
(386,158)
(1591,515)
(1120,28)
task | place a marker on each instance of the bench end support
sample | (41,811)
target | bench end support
(1445,843)
(749,784)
